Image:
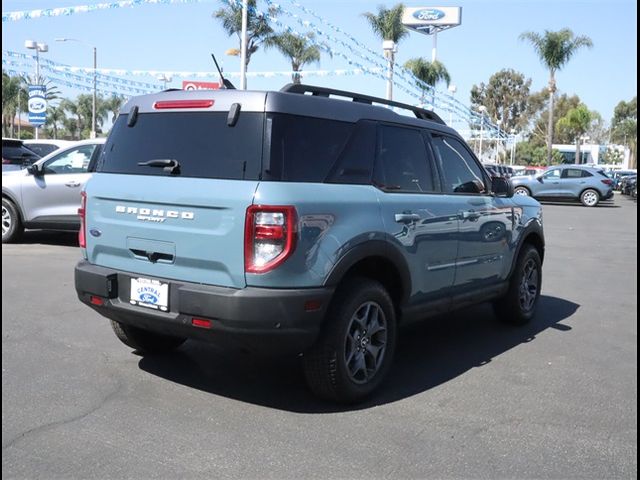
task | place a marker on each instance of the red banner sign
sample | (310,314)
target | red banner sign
(192,85)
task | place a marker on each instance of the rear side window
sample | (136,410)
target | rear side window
(573,173)
(461,172)
(202,143)
(355,163)
(303,149)
(402,164)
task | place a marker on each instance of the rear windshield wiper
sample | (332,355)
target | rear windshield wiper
(167,164)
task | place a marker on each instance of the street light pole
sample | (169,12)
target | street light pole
(390,48)
(164,78)
(452,89)
(513,144)
(482,109)
(498,141)
(243,46)
(95,82)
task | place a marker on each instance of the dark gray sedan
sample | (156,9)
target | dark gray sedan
(569,182)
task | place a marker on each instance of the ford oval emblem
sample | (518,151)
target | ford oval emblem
(428,14)
(148,298)
(95,232)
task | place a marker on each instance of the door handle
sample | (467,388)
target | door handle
(407,217)
(72,183)
(469,215)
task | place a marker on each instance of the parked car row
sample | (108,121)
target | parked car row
(46,194)
(619,175)
(629,185)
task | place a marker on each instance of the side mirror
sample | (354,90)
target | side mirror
(502,187)
(540,179)
(35,169)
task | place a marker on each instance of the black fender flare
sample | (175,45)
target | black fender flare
(534,227)
(369,249)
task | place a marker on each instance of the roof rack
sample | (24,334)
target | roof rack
(356,97)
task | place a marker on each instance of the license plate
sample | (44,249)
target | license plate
(149,293)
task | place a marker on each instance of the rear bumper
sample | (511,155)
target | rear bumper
(608,195)
(268,320)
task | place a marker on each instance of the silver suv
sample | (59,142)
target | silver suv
(46,195)
(569,182)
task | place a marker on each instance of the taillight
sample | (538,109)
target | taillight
(82,211)
(607,181)
(269,237)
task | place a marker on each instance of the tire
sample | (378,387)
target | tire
(590,198)
(144,340)
(11,223)
(524,191)
(518,306)
(347,363)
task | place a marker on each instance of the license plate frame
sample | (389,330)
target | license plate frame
(149,293)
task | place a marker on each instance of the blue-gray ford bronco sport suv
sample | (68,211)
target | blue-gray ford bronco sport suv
(301,222)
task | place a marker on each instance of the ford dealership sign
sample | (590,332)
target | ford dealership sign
(428,14)
(427,19)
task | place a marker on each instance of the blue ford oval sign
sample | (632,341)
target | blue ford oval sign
(428,14)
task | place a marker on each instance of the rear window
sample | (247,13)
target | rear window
(16,153)
(201,142)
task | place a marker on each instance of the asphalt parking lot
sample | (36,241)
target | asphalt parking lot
(467,398)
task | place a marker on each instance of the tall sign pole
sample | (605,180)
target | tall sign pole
(430,21)
(243,46)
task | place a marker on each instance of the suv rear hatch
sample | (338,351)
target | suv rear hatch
(173,186)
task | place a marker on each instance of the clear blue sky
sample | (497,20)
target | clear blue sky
(180,37)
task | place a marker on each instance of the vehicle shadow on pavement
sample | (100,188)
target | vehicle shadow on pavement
(45,237)
(429,353)
(602,204)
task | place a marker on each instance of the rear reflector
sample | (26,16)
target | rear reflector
(165,104)
(97,300)
(201,322)
(312,305)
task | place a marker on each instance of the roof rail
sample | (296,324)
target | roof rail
(356,97)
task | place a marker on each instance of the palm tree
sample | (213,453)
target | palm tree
(55,117)
(299,49)
(576,123)
(555,49)
(11,92)
(387,25)
(73,126)
(113,105)
(428,73)
(258,28)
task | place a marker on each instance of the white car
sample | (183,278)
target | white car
(46,195)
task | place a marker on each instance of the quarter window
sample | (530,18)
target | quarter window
(461,172)
(303,149)
(402,164)
(572,173)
